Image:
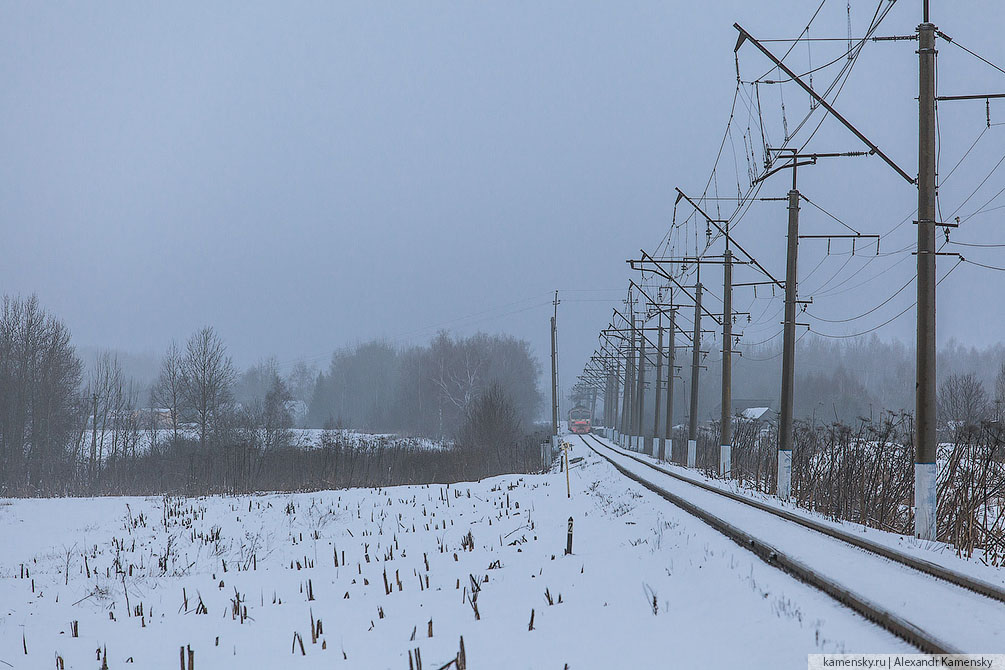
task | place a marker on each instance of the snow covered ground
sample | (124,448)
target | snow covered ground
(306,438)
(240,580)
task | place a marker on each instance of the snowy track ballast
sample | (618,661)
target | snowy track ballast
(769,553)
(921,565)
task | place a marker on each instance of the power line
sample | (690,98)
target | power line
(975,55)
(864,314)
(889,321)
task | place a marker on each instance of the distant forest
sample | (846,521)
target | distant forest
(844,380)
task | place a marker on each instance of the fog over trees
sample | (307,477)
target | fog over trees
(841,380)
(426,390)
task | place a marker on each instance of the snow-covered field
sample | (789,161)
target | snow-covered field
(244,580)
(305,438)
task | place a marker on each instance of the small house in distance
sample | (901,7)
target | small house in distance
(756,414)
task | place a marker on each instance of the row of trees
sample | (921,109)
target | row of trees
(40,377)
(63,430)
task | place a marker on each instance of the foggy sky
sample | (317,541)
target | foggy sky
(302,176)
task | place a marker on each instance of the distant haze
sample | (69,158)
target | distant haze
(305,175)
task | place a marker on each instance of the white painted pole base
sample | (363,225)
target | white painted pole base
(692,452)
(925,502)
(784,475)
(614,436)
(725,460)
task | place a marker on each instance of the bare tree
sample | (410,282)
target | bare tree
(492,425)
(962,399)
(39,412)
(300,381)
(169,390)
(208,380)
(106,401)
(276,419)
(1000,392)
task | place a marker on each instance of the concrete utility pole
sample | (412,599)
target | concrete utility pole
(666,449)
(788,349)
(726,416)
(626,405)
(593,405)
(925,468)
(617,390)
(640,409)
(554,374)
(692,429)
(607,395)
(633,415)
(657,438)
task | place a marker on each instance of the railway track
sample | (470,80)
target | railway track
(908,596)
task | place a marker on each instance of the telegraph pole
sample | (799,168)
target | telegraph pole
(554,374)
(667,447)
(726,417)
(593,404)
(629,381)
(616,383)
(640,396)
(785,432)
(633,416)
(925,468)
(607,394)
(692,430)
(658,444)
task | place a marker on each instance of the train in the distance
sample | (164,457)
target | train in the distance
(579,420)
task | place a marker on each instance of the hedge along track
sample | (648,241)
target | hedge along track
(907,631)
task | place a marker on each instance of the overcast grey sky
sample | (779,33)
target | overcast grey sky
(305,175)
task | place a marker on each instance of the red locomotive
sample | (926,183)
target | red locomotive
(579,420)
